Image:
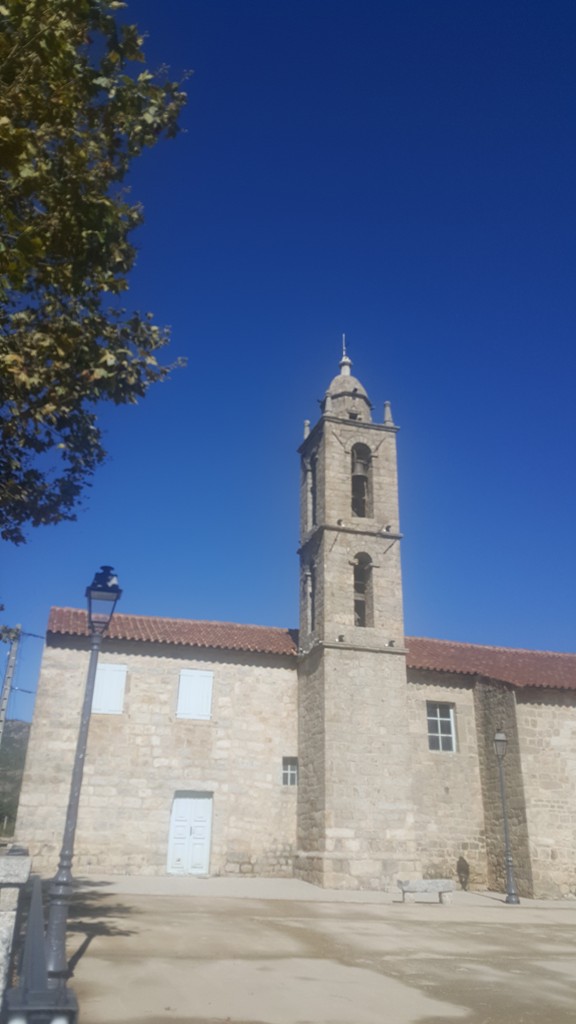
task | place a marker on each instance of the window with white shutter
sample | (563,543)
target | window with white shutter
(195,694)
(108,696)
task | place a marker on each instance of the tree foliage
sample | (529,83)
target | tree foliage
(77,106)
(12,759)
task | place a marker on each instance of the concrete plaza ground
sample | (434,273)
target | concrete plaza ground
(221,951)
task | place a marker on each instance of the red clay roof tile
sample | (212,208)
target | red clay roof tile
(228,636)
(517,667)
(508,664)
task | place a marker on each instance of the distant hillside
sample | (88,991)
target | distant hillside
(12,757)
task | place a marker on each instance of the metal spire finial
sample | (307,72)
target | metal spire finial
(345,362)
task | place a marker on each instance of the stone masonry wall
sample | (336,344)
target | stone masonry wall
(355,809)
(368,832)
(547,737)
(495,705)
(352,536)
(311,754)
(339,536)
(138,760)
(447,788)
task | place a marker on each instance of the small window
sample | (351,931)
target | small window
(195,694)
(108,698)
(363,606)
(289,771)
(441,730)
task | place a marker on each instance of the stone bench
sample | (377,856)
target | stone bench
(442,886)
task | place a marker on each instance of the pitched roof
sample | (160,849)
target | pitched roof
(508,664)
(228,636)
(517,667)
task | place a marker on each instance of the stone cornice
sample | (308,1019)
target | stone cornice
(386,428)
(343,645)
(380,533)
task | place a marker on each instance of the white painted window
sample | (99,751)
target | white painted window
(195,694)
(289,771)
(441,726)
(108,696)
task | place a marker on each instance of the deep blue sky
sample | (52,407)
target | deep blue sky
(403,171)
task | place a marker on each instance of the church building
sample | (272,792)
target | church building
(345,753)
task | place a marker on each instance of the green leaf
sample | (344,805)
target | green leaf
(84,108)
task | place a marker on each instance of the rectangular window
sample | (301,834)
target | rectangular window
(195,694)
(441,729)
(108,698)
(289,771)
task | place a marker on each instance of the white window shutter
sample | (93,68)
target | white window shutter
(195,694)
(108,696)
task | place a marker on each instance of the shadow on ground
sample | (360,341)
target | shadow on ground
(90,914)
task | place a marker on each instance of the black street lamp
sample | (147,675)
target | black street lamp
(500,745)
(41,996)
(103,595)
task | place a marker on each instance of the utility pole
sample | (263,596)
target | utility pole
(14,635)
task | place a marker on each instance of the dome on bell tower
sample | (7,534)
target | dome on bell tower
(346,397)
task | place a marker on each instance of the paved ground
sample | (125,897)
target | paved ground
(219,951)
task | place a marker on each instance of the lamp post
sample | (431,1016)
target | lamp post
(33,1001)
(500,745)
(103,595)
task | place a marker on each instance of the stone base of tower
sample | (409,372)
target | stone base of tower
(335,871)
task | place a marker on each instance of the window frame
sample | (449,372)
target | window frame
(290,772)
(434,715)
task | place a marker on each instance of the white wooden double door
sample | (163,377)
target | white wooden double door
(190,833)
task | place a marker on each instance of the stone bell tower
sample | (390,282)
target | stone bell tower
(355,817)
